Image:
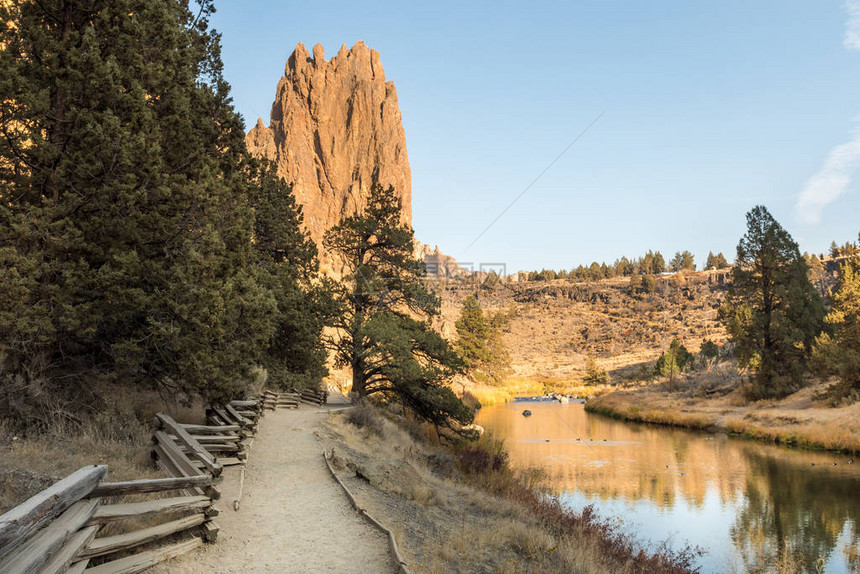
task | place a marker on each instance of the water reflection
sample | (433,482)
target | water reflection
(748,504)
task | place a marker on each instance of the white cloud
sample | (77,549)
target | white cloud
(830,182)
(852,28)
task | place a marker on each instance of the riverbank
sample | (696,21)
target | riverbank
(796,420)
(505,392)
(462,508)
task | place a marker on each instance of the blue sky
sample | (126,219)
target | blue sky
(710,108)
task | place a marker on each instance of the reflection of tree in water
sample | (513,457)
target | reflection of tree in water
(793,509)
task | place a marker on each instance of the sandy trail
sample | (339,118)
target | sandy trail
(293,517)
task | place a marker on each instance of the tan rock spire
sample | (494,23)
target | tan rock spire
(335,130)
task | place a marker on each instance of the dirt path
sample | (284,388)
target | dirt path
(293,517)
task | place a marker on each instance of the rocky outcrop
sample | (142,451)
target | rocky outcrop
(439,265)
(335,130)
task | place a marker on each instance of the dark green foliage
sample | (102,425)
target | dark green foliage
(683,261)
(594,373)
(128,212)
(383,305)
(717,261)
(124,225)
(649,284)
(659,263)
(772,312)
(709,353)
(479,342)
(286,263)
(709,349)
(838,354)
(643,284)
(650,264)
(674,360)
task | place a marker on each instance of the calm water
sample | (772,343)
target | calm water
(742,502)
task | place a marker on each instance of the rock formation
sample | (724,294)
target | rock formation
(335,130)
(439,265)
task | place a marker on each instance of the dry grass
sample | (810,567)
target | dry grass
(468,511)
(504,393)
(119,436)
(796,420)
(619,405)
(556,324)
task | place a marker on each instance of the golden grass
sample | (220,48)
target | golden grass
(119,437)
(796,420)
(512,388)
(506,392)
(458,520)
(617,405)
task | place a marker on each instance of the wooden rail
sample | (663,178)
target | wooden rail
(62,529)
(81,523)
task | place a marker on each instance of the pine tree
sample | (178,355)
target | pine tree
(717,261)
(479,343)
(673,361)
(650,263)
(711,261)
(710,353)
(382,326)
(286,264)
(839,354)
(772,312)
(472,333)
(124,222)
(594,373)
(659,263)
(683,261)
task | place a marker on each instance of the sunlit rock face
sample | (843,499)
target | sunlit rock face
(335,130)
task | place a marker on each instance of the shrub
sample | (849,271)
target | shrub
(364,416)
(594,374)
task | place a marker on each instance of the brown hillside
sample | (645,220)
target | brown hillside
(554,325)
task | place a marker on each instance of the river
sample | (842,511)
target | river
(746,504)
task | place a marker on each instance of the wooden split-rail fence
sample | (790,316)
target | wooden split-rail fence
(85,524)
(272,400)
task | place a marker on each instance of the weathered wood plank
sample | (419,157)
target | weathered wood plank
(213,438)
(197,449)
(20,522)
(114,512)
(215,420)
(62,558)
(223,447)
(239,404)
(142,561)
(78,567)
(111,544)
(229,461)
(210,429)
(174,454)
(28,557)
(239,418)
(210,531)
(176,463)
(153,485)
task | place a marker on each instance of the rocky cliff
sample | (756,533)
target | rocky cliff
(335,130)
